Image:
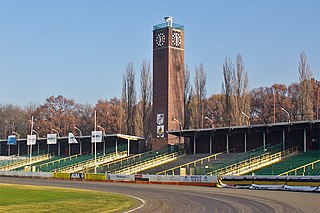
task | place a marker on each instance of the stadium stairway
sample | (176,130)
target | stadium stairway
(91,163)
(181,160)
(149,163)
(133,159)
(59,162)
(192,161)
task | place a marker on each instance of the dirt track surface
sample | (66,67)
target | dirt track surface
(172,198)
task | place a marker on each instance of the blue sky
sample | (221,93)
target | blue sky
(79,49)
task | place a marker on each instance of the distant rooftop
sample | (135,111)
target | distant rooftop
(168,23)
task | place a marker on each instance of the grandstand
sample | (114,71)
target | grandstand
(137,163)
(173,167)
(24,164)
(304,163)
(189,164)
(87,163)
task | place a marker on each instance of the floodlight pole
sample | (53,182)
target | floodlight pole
(31,131)
(79,139)
(104,143)
(283,109)
(57,141)
(247,116)
(180,124)
(95,141)
(18,135)
(210,120)
(38,139)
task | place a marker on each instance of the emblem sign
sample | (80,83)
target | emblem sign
(160,119)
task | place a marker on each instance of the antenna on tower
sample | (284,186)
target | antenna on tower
(168,20)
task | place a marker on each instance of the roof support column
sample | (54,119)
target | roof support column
(58,148)
(283,140)
(227,143)
(128,147)
(38,148)
(304,140)
(264,140)
(210,144)
(18,149)
(104,146)
(117,146)
(245,142)
(80,147)
(194,143)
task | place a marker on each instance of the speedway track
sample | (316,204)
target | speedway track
(174,198)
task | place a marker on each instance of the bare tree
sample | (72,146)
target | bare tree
(13,118)
(228,71)
(200,81)
(123,109)
(306,88)
(188,90)
(240,94)
(146,99)
(58,113)
(128,100)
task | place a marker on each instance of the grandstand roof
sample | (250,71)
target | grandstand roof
(252,128)
(110,136)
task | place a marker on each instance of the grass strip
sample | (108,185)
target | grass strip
(23,198)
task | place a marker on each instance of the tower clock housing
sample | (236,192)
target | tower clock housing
(168,81)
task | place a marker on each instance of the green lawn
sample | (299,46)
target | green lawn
(21,198)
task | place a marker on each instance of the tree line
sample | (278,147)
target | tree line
(235,105)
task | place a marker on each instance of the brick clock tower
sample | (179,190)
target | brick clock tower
(168,82)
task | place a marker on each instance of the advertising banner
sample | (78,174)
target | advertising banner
(61,175)
(31,139)
(51,138)
(77,175)
(164,178)
(120,177)
(12,140)
(96,136)
(95,176)
(199,179)
(71,138)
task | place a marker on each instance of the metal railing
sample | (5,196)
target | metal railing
(125,162)
(91,163)
(295,171)
(58,161)
(153,162)
(253,163)
(194,163)
(26,162)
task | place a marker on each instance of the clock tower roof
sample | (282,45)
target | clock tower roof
(168,23)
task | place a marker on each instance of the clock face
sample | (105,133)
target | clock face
(176,39)
(160,39)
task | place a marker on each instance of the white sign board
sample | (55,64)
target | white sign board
(96,137)
(71,138)
(31,139)
(51,138)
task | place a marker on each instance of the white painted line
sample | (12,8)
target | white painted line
(139,207)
